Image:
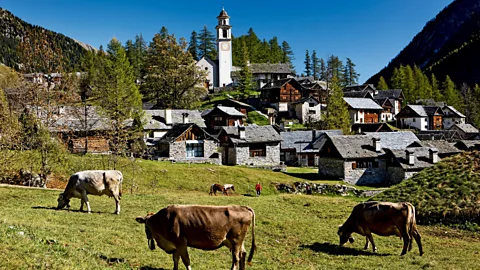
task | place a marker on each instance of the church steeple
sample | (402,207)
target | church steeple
(224,43)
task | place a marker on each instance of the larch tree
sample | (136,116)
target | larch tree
(193,46)
(337,116)
(253,45)
(322,75)
(206,44)
(436,93)
(350,75)
(172,79)
(382,84)
(117,96)
(315,65)
(451,94)
(275,51)
(308,64)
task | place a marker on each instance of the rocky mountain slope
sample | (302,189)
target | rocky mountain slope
(30,48)
(447,45)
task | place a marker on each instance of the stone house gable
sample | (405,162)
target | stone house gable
(222,116)
(189,143)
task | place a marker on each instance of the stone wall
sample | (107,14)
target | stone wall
(178,152)
(366,176)
(272,156)
(331,168)
(395,175)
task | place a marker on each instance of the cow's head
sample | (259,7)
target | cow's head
(344,235)
(143,220)
(63,201)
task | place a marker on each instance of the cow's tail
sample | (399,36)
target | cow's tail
(410,218)
(253,247)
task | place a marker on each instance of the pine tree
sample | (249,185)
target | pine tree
(287,55)
(351,75)
(172,79)
(382,84)
(136,51)
(315,65)
(421,86)
(308,64)
(398,76)
(322,76)
(451,94)
(246,78)
(337,116)
(193,46)
(206,44)
(253,46)
(117,95)
(335,68)
(163,32)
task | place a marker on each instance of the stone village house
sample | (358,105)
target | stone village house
(363,110)
(189,143)
(222,116)
(420,117)
(369,159)
(250,145)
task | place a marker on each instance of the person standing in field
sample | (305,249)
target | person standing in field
(258,188)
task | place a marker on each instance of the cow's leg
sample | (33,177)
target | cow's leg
(406,241)
(418,239)
(235,255)
(243,255)
(366,243)
(369,236)
(117,204)
(81,204)
(186,259)
(181,251)
(176,257)
(85,199)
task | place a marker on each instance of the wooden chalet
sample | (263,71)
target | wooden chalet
(222,116)
(282,92)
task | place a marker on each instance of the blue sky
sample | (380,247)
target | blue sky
(370,32)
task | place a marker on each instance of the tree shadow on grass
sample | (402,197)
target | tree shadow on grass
(150,268)
(332,249)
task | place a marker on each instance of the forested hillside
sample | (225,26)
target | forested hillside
(446,45)
(30,48)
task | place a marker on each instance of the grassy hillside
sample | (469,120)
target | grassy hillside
(292,232)
(447,193)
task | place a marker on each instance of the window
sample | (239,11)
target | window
(365,164)
(257,150)
(414,120)
(311,112)
(194,150)
(225,33)
(311,104)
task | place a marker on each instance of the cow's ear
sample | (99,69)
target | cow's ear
(140,219)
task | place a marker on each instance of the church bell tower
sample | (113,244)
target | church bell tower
(224,48)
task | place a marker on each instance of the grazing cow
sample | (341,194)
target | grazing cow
(92,182)
(227,187)
(382,218)
(177,227)
(216,187)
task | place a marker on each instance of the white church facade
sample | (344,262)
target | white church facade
(222,73)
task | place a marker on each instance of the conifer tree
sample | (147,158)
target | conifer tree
(246,78)
(117,95)
(163,32)
(136,51)
(335,68)
(276,53)
(351,75)
(253,46)
(308,64)
(476,108)
(436,93)
(206,44)
(315,65)
(337,116)
(382,84)
(451,94)
(421,86)
(287,55)
(193,46)
(172,79)
(409,85)
(398,77)
(322,76)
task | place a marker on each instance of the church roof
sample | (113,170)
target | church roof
(223,13)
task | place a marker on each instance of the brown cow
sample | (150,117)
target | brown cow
(177,227)
(382,218)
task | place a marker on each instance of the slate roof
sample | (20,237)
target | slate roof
(302,140)
(442,146)
(362,103)
(227,110)
(279,68)
(467,128)
(305,99)
(454,111)
(279,83)
(194,116)
(253,134)
(358,94)
(424,111)
(394,140)
(355,146)
(178,129)
(421,160)
(359,87)
(468,144)
(371,127)
(391,93)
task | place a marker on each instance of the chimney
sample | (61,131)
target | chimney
(168,116)
(241,132)
(185,118)
(410,156)
(433,155)
(314,134)
(376,144)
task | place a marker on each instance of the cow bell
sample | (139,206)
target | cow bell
(151,244)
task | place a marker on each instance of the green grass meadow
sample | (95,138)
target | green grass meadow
(293,231)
